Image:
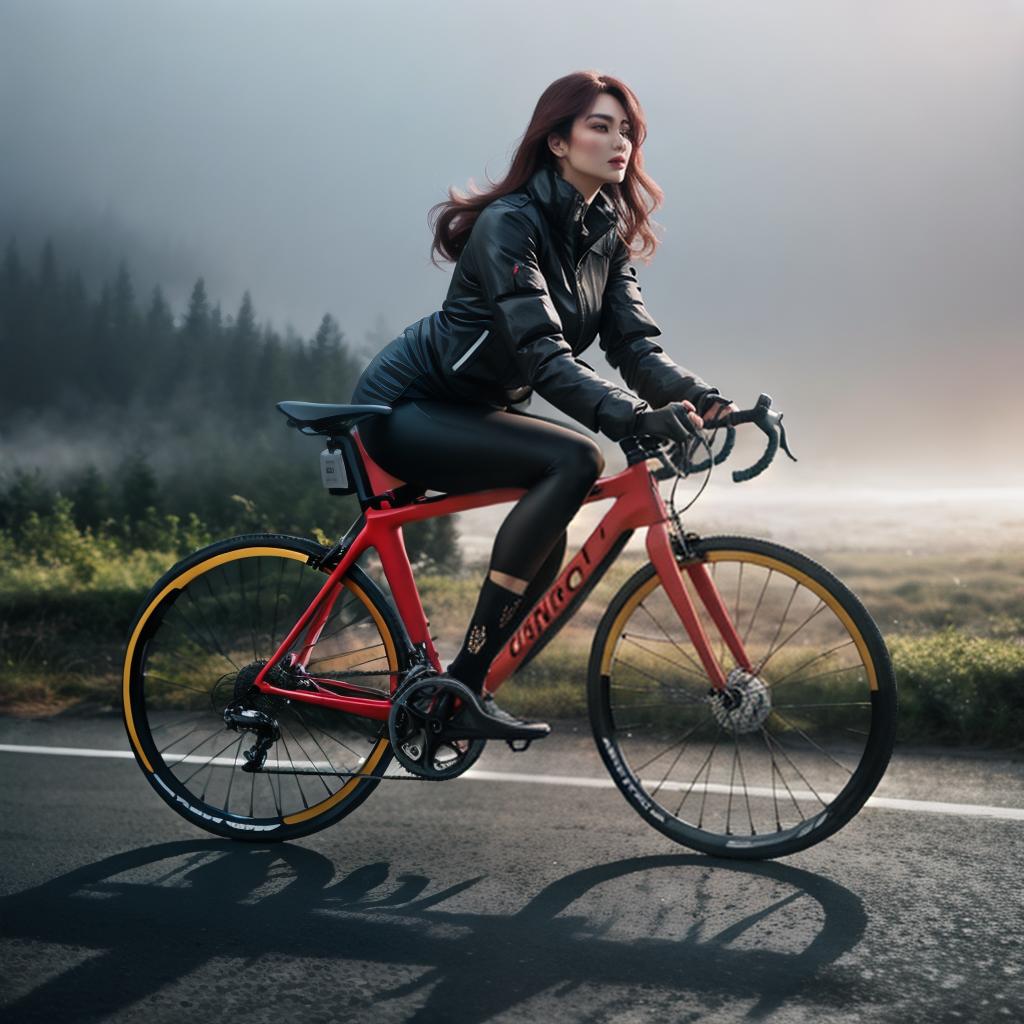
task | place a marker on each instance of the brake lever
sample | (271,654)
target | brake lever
(782,439)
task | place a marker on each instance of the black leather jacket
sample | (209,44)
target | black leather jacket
(541,275)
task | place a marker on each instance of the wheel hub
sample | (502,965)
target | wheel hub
(744,704)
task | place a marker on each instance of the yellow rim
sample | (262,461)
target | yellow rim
(768,562)
(178,583)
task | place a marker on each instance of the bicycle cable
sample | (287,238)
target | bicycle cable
(681,474)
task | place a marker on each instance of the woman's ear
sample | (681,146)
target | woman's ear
(557,145)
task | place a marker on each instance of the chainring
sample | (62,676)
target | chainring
(420,734)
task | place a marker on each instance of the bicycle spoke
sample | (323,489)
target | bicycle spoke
(782,621)
(198,725)
(816,746)
(739,588)
(179,686)
(702,677)
(312,763)
(707,779)
(757,607)
(720,656)
(247,608)
(277,604)
(160,649)
(746,792)
(774,771)
(231,777)
(209,587)
(674,762)
(341,743)
(154,729)
(707,761)
(638,671)
(295,775)
(336,614)
(179,613)
(208,762)
(206,625)
(674,743)
(646,610)
(771,654)
(832,704)
(811,661)
(330,764)
(821,675)
(790,762)
(345,654)
(732,782)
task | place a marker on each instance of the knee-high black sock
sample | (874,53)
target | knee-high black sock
(493,621)
(545,577)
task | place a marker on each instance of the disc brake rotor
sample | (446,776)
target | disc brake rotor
(744,704)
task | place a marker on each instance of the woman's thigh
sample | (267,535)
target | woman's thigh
(460,448)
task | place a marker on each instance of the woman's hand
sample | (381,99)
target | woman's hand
(717,409)
(695,418)
(670,421)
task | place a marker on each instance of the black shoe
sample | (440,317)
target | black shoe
(526,730)
(480,717)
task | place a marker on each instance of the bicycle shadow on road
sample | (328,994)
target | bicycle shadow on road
(159,914)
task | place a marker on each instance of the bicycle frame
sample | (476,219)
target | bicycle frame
(637,503)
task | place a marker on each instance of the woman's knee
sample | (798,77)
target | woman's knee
(581,460)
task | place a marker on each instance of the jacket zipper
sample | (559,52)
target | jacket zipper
(472,348)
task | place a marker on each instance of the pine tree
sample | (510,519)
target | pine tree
(138,486)
(126,357)
(91,498)
(243,357)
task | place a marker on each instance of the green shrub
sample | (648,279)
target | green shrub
(959,688)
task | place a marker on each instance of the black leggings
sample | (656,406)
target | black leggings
(461,448)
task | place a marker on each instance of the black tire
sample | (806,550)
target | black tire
(194,643)
(796,766)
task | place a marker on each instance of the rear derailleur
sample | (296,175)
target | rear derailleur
(268,732)
(241,716)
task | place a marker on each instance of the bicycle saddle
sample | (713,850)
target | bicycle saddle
(321,418)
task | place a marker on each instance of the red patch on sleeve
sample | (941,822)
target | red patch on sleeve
(515,269)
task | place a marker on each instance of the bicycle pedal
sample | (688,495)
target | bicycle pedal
(524,745)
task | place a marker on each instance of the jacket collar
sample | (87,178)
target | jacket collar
(567,211)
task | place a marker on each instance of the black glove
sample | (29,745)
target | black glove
(707,398)
(671,421)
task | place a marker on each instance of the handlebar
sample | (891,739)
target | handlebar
(769,421)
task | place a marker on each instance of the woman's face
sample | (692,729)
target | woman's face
(599,149)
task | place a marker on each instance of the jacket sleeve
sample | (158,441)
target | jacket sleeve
(626,330)
(504,250)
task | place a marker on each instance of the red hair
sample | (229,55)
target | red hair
(557,109)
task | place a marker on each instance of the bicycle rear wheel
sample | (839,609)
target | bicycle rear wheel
(790,751)
(201,636)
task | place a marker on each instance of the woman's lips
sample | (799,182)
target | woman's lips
(618,162)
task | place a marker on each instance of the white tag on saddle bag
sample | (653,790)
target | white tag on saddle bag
(333,474)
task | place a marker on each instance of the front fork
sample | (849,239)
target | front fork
(665,553)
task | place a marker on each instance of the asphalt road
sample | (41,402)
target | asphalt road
(486,899)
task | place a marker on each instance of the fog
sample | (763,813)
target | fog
(843,224)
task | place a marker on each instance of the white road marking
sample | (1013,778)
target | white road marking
(586,782)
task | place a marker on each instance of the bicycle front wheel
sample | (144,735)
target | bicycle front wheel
(199,640)
(790,750)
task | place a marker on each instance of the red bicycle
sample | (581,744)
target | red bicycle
(741,697)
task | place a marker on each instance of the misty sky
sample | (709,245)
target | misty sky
(843,223)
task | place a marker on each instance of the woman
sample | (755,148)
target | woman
(541,267)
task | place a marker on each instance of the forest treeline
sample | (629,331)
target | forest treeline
(181,406)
